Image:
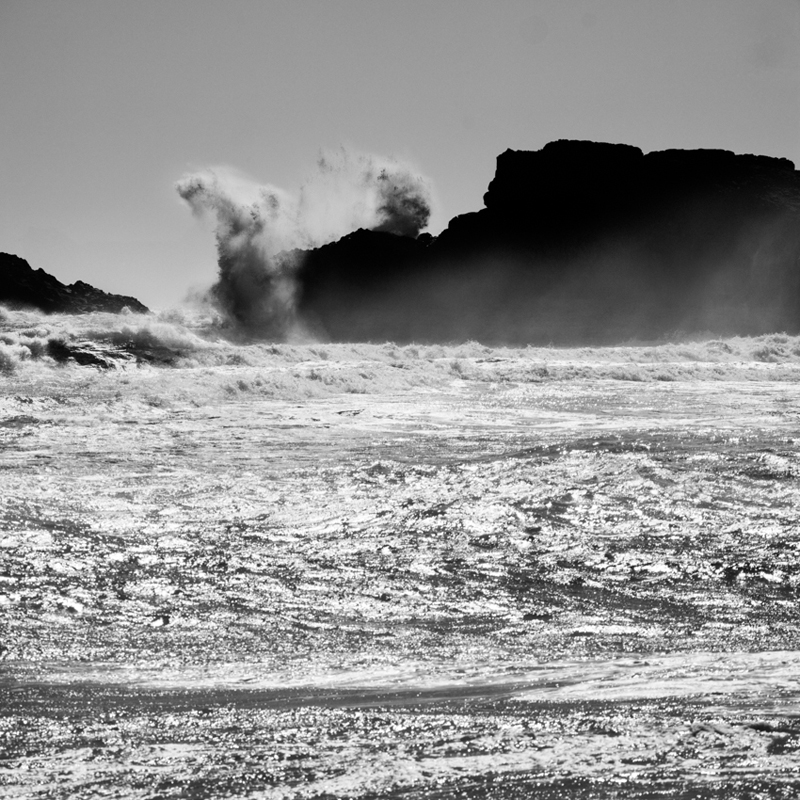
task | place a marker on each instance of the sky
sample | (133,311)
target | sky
(105,104)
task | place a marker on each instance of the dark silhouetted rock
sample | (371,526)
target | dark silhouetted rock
(23,287)
(364,274)
(579,242)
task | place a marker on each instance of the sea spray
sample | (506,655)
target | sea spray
(261,229)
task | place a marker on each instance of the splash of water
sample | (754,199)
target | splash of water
(261,230)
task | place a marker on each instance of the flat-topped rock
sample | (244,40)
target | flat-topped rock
(579,242)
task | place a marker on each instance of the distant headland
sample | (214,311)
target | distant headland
(23,287)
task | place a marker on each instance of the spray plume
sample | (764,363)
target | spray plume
(260,229)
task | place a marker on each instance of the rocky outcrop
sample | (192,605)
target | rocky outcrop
(23,287)
(357,288)
(580,242)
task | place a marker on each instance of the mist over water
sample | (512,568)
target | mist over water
(260,228)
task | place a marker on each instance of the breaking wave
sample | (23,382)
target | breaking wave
(261,230)
(180,356)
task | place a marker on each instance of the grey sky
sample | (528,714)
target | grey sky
(104,104)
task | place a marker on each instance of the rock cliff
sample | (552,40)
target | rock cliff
(579,242)
(21,286)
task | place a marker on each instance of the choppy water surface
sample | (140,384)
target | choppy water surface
(483,587)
